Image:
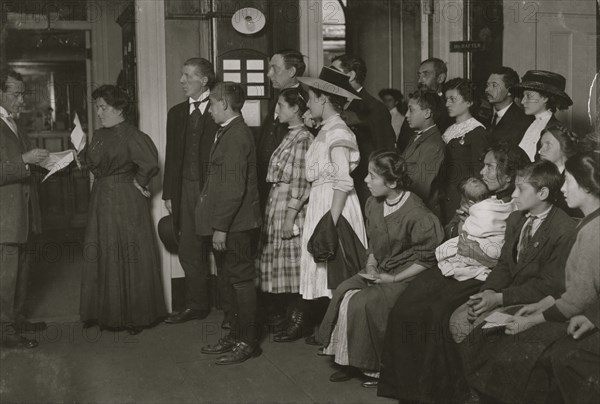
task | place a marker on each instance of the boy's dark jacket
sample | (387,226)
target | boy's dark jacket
(229,200)
(540,271)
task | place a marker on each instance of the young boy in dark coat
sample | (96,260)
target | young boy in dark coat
(229,211)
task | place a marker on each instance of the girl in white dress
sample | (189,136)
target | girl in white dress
(329,161)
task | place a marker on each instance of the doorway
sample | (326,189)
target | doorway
(55,68)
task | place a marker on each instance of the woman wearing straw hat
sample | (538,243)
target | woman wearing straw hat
(543,93)
(329,161)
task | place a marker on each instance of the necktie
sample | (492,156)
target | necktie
(219,133)
(494,120)
(525,236)
(12,124)
(196,114)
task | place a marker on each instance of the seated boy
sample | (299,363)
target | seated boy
(228,210)
(425,151)
(486,225)
(532,261)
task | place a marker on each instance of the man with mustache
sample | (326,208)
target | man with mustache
(509,122)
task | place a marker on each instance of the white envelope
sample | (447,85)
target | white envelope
(496,319)
(57,161)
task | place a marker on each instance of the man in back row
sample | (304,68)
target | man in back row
(368,118)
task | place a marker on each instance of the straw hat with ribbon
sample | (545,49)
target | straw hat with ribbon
(331,81)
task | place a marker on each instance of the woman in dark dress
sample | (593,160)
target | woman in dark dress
(557,144)
(420,361)
(403,235)
(466,141)
(121,283)
(552,344)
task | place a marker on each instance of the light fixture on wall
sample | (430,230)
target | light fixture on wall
(248,21)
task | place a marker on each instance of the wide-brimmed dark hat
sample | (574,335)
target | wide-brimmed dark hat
(168,234)
(542,80)
(332,81)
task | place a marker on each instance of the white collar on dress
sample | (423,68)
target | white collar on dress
(459,130)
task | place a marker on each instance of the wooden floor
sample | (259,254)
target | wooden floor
(161,365)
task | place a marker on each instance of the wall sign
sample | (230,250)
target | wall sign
(466,46)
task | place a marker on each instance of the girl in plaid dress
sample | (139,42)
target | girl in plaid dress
(286,208)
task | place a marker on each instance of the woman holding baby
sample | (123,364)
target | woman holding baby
(420,362)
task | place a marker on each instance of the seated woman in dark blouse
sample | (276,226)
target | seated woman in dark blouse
(403,235)
(558,343)
(121,285)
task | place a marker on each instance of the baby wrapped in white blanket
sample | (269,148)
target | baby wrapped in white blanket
(485,224)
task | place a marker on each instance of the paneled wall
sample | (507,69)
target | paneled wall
(559,36)
(386,34)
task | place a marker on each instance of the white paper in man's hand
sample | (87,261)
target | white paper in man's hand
(496,319)
(78,137)
(57,161)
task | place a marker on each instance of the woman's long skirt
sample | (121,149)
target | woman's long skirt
(121,282)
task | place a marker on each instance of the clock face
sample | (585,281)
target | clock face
(248,21)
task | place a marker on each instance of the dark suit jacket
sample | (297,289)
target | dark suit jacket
(444,121)
(541,270)
(511,127)
(229,200)
(177,121)
(424,157)
(19,205)
(406,133)
(371,122)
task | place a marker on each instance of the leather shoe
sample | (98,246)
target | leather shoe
(343,375)
(275,320)
(18,342)
(186,315)
(312,340)
(241,352)
(224,345)
(296,329)
(371,383)
(27,326)
(321,352)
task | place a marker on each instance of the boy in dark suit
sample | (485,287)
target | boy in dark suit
(228,210)
(425,151)
(533,257)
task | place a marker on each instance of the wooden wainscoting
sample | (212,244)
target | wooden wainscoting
(64,197)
